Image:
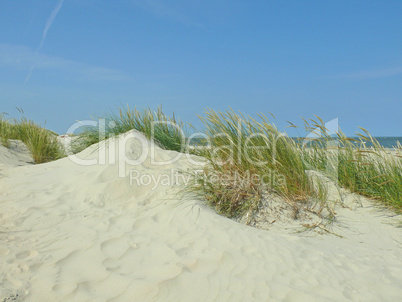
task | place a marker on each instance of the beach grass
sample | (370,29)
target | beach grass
(247,158)
(167,132)
(41,142)
(373,172)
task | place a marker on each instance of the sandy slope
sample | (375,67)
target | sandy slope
(81,233)
(17,154)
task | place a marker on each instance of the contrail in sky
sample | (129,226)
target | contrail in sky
(49,23)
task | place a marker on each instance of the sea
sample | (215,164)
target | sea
(388,142)
(385,141)
(391,142)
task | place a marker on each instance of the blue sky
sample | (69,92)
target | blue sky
(63,61)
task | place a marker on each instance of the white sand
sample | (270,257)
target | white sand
(17,154)
(81,233)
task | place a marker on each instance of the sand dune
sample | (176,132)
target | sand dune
(81,233)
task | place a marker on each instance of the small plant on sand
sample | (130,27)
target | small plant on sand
(41,142)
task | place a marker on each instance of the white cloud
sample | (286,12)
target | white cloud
(23,58)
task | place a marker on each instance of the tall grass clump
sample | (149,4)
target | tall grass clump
(5,131)
(373,172)
(168,132)
(248,158)
(41,142)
